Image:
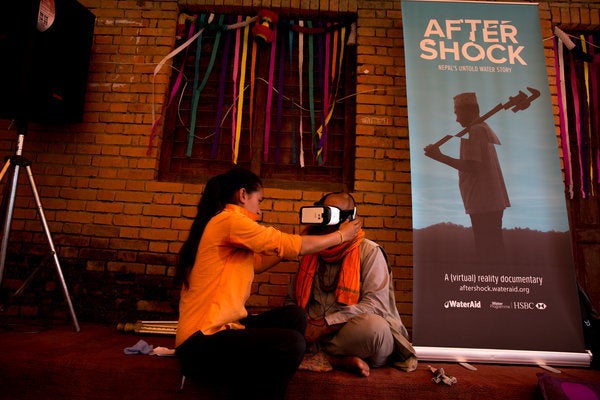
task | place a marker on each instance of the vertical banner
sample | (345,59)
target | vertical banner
(493,266)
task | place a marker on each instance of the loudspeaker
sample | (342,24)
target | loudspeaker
(45,47)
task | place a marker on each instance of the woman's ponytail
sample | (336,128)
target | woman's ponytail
(218,192)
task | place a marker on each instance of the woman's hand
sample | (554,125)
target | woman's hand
(349,230)
(315,243)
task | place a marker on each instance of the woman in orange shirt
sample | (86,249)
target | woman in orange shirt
(217,342)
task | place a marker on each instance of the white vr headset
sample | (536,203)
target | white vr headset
(325,215)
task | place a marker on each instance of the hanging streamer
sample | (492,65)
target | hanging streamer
(236,60)
(563,117)
(322,134)
(588,138)
(252,84)
(339,67)
(290,52)
(595,97)
(301,85)
(334,47)
(318,141)
(311,79)
(336,65)
(221,98)
(238,125)
(316,138)
(328,69)
(270,96)
(172,54)
(178,80)
(195,92)
(579,105)
(200,87)
(575,93)
(280,100)
(158,68)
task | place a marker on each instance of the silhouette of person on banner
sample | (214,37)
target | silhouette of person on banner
(480,179)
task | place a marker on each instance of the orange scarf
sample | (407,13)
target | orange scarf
(348,289)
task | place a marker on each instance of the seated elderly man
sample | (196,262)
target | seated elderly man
(347,292)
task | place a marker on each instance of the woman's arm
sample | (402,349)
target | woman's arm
(266,262)
(315,243)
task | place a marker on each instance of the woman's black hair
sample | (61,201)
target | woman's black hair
(219,191)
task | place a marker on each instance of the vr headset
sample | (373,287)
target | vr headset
(325,215)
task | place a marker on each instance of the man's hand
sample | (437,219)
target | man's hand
(433,151)
(316,328)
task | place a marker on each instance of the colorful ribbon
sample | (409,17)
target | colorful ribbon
(588,136)
(221,98)
(575,94)
(270,96)
(280,101)
(311,79)
(594,106)
(236,59)
(300,86)
(322,78)
(238,125)
(562,114)
(291,53)
(333,77)
(158,68)
(252,85)
(578,114)
(195,92)
(322,134)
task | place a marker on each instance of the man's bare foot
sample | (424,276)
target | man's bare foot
(350,363)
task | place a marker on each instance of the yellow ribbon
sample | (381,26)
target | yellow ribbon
(238,125)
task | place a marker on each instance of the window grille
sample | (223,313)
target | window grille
(270,93)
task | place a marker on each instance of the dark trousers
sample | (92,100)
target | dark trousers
(253,363)
(487,231)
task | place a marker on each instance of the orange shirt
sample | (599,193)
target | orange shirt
(221,279)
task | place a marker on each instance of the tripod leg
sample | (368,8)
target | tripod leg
(4,169)
(52,249)
(8,219)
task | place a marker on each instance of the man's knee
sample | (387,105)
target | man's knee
(367,336)
(380,338)
(370,325)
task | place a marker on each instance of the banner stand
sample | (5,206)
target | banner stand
(502,356)
(493,266)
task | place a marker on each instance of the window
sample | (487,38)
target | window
(282,107)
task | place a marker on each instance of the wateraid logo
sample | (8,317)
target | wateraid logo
(462,304)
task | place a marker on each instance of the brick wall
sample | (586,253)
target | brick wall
(118,230)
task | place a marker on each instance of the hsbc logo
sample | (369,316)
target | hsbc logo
(529,305)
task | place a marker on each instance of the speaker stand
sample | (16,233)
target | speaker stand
(16,162)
